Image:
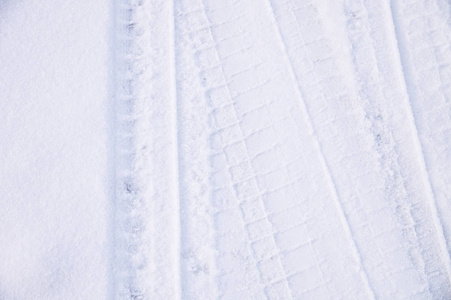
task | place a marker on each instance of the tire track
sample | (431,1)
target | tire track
(312,172)
(426,56)
(310,43)
(394,135)
(198,268)
(243,173)
(201,37)
(147,234)
(366,184)
(258,122)
(324,164)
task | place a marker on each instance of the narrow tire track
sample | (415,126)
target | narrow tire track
(330,179)
(147,233)
(407,71)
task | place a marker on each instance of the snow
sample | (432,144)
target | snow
(203,149)
(55,189)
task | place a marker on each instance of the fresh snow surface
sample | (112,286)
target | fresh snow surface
(56,189)
(224,149)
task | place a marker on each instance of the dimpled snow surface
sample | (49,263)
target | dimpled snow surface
(225,149)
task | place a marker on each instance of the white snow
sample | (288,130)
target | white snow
(55,186)
(204,149)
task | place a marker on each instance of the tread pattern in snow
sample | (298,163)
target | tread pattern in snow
(423,33)
(395,133)
(147,208)
(365,149)
(316,164)
(263,196)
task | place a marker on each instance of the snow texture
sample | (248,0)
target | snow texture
(205,149)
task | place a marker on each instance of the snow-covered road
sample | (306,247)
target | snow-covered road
(204,149)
